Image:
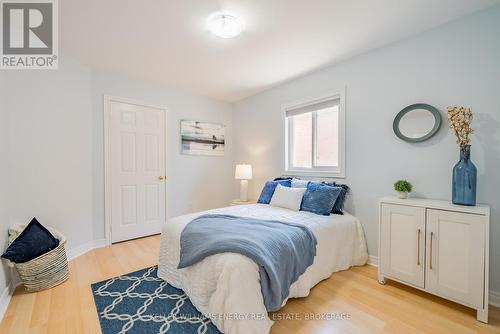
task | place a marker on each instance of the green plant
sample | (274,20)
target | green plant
(402,185)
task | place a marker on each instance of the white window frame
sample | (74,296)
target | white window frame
(336,172)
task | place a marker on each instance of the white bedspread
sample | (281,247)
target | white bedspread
(226,287)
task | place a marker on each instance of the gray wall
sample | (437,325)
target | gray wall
(456,64)
(56,148)
(50,154)
(4,276)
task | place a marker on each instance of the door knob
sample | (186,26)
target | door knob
(161,178)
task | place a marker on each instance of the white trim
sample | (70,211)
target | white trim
(5,299)
(494,298)
(107,179)
(107,186)
(75,252)
(341,171)
(372,260)
(8,292)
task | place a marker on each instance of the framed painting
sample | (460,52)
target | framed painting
(202,138)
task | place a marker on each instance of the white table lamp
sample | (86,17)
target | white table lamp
(244,173)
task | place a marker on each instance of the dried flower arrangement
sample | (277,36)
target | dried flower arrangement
(460,120)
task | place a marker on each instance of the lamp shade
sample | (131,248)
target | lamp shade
(243,172)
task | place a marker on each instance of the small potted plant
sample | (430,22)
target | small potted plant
(403,187)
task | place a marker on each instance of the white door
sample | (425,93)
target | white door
(455,252)
(402,243)
(137,141)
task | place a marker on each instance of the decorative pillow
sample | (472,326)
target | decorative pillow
(268,190)
(319,198)
(288,198)
(33,241)
(338,208)
(281,178)
(298,183)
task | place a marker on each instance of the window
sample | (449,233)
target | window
(314,137)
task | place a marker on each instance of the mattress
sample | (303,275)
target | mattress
(226,287)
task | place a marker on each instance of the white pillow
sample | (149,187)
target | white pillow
(288,198)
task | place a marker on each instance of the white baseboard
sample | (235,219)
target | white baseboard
(494,298)
(5,299)
(71,253)
(82,249)
(8,291)
(373,260)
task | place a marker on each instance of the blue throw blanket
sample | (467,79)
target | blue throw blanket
(282,250)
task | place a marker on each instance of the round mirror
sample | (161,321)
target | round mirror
(417,123)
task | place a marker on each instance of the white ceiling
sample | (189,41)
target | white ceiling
(166,41)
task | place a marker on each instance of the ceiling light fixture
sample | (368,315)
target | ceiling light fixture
(224,25)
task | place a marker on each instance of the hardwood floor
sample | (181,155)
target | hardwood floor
(355,293)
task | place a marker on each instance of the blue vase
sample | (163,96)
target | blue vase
(464,179)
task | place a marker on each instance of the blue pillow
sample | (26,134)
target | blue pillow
(33,241)
(319,198)
(268,190)
(338,207)
(281,178)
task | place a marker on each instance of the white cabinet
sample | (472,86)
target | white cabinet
(437,247)
(403,229)
(456,256)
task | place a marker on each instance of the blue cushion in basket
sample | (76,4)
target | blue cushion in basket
(33,241)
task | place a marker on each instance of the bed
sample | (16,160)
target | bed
(226,287)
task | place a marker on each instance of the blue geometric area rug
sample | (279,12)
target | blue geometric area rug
(142,303)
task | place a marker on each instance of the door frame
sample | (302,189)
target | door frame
(107,154)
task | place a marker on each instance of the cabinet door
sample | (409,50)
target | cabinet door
(403,243)
(455,253)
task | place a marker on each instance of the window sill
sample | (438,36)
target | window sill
(315,173)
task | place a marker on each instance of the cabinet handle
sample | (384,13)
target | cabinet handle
(430,260)
(418,247)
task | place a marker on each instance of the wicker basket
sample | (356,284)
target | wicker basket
(45,271)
